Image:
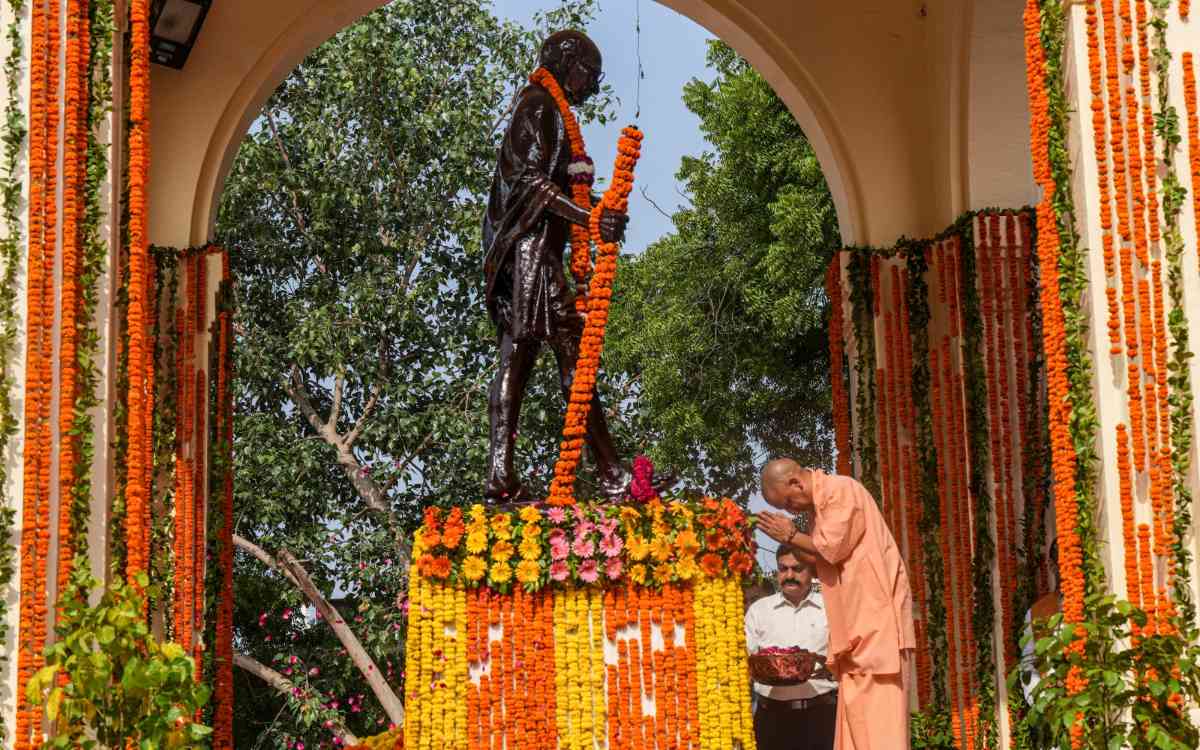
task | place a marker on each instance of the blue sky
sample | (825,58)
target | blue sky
(672,50)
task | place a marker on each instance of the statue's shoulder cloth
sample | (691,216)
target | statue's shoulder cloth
(536,101)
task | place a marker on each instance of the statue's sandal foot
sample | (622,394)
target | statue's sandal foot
(498,493)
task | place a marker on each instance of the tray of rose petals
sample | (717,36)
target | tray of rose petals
(785,666)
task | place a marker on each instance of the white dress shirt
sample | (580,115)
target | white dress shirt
(774,622)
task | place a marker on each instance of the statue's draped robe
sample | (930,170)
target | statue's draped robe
(523,243)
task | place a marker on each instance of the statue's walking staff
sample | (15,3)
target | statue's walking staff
(599,289)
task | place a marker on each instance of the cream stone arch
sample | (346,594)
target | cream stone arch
(875,110)
(246,87)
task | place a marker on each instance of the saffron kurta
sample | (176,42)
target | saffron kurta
(869,606)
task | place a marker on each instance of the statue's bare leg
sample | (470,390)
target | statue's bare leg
(504,412)
(614,477)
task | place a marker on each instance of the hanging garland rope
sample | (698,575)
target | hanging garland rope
(862,308)
(1178,371)
(223,691)
(928,523)
(837,348)
(98,53)
(35,532)
(140,399)
(975,390)
(1072,271)
(166,415)
(11,197)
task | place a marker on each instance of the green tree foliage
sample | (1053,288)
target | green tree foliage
(363,350)
(722,323)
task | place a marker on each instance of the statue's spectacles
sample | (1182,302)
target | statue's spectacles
(597,74)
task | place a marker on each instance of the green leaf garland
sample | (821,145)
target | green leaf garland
(862,310)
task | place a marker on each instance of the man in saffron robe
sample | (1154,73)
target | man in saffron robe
(525,232)
(867,598)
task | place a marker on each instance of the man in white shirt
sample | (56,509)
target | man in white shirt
(801,716)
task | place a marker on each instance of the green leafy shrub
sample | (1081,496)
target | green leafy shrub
(122,687)
(1130,683)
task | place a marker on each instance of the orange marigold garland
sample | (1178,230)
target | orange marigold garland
(837,345)
(583,383)
(35,510)
(140,351)
(73,162)
(1063,463)
(1099,133)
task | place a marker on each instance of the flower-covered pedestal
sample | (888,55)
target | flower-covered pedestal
(591,625)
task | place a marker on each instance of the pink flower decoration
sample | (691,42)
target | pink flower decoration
(613,568)
(583,528)
(589,571)
(611,545)
(583,547)
(559,571)
(559,548)
(607,526)
(557,514)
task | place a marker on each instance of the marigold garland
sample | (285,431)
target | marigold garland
(137,493)
(841,398)
(1063,461)
(35,535)
(599,288)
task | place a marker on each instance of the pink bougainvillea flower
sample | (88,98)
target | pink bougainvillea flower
(589,571)
(611,545)
(559,570)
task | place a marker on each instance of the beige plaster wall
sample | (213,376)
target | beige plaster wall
(880,86)
(997,128)
(11,458)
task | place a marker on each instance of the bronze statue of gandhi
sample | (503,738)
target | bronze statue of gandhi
(525,233)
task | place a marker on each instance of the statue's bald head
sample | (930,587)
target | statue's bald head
(574,61)
(787,485)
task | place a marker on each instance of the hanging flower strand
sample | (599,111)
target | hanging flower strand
(616,199)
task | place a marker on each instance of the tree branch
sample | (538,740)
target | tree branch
(299,395)
(354,433)
(368,489)
(362,660)
(652,203)
(335,409)
(264,557)
(284,685)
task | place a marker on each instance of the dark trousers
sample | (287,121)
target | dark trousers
(789,729)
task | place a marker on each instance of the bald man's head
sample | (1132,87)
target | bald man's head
(787,485)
